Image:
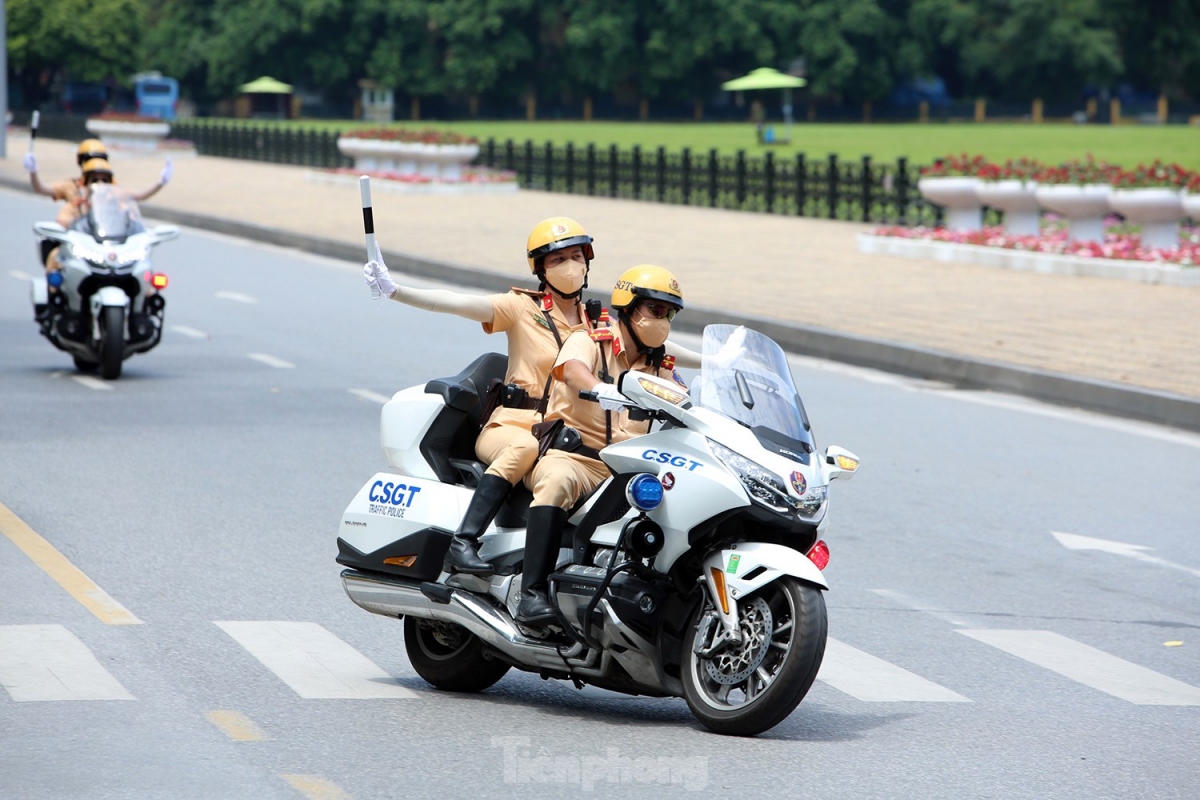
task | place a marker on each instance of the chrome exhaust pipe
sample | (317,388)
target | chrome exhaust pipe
(396,597)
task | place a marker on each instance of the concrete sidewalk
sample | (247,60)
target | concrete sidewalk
(1106,344)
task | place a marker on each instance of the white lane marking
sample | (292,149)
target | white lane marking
(1096,420)
(367,394)
(192,332)
(314,662)
(93,383)
(271,361)
(1073,541)
(19,275)
(237,297)
(865,677)
(48,662)
(1091,667)
(917,605)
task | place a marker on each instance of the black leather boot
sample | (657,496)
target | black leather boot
(463,555)
(542,541)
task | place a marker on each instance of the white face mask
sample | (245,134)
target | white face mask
(653,332)
(566,278)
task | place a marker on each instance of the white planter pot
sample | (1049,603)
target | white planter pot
(1157,210)
(957,196)
(129,135)
(1191,205)
(1083,206)
(1018,201)
(437,161)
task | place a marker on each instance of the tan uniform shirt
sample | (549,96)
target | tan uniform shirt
(70,192)
(586,416)
(532,347)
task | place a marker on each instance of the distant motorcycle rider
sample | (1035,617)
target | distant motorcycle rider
(645,301)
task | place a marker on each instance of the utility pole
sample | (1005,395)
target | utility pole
(3,83)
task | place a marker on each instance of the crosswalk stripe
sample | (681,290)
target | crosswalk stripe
(48,662)
(1091,667)
(865,677)
(313,662)
(270,360)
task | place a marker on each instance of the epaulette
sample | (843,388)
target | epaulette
(602,335)
(668,362)
(604,320)
(530,292)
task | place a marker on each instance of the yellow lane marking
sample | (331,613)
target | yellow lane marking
(314,787)
(66,574)
(236,726)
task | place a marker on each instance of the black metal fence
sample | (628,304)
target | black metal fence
(830,188)
(860,191)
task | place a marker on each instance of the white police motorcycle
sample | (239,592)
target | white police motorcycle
(694,571)
(108,302)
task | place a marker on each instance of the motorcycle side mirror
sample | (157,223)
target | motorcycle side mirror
(840,462)
(49,230)
(165,233)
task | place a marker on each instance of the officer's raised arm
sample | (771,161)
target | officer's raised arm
(474,307)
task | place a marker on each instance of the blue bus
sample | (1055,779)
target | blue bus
(157,97)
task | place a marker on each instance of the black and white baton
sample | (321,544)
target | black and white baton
(33,126)
(364,185)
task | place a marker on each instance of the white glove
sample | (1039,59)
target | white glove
(731,351)
(610,399)
(30,163)
(165,177)
(378,278)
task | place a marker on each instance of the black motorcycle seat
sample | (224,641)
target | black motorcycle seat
(464,390)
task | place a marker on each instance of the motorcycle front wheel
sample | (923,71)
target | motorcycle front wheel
(112,342)
(449,656)
(745,689)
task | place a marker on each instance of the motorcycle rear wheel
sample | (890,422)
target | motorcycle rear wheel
(112,342)
(746,689)
(449,656)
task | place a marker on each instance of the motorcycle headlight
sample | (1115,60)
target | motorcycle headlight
(768,488)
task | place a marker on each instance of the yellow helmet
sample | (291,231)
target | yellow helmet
(556,233)
(89,149)
(96,166)
(646,282)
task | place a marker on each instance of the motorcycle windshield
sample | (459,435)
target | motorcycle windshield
(113,215)
(744,375)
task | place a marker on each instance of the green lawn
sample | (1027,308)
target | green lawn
(1127,144)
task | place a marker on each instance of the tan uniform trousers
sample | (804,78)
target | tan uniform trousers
(508,449)
(561,478)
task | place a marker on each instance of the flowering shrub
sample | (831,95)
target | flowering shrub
(955,166)
(1152,176)
(475,175)
(427,136)
(1078,173)
(1054,240)
(1023,169)
(124,116)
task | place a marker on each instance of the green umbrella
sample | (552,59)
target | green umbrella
(767,78)
(265,85)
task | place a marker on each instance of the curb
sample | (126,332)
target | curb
(1143,404)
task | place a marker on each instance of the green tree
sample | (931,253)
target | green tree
(85,40)
(1021,49)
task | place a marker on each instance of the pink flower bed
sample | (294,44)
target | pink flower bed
(469,175)
(1118,242)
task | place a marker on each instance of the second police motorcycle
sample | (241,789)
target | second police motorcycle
(694,571)
(107,301)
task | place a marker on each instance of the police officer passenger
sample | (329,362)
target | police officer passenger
(559,252)
(646,299)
